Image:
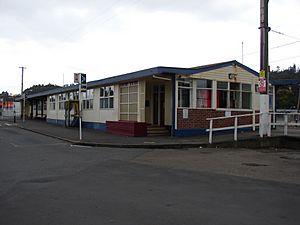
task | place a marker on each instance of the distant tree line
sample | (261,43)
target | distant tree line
(40,88)
(287,97)
(32,90)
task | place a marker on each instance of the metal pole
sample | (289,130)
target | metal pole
(14,110)
(210,131)
(264,67)
(285,128)
(22,94)
(242,52)
(80,110)
(235,128)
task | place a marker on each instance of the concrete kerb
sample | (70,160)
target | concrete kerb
(48,135)
(119,145)
(249,143)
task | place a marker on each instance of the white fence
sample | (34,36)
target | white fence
(279,119)
(7,113)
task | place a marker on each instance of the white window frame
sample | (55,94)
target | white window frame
(211,93)
(61,101)
(181,88)
(52,101)
(128,114)
(106,94)
(228,96)
(88,99)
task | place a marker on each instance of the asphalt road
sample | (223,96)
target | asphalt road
(46,181)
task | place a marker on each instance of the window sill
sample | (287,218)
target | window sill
(230,109)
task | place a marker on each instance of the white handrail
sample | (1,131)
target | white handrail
(285,124)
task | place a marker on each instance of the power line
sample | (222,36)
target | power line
(283,59)
(272,48)
(293,37)
(279,60)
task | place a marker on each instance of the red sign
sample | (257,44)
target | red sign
(262,86)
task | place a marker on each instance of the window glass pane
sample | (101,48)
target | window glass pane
(235,86)
(124,90)
(133,97)
(124,98)
(111,91)
(124,108)
(102,103)
(222,85)
(111,103)
(204,83)
(234,99)
(133,117)
(203,98)
(101,92)
(184,97)
(221,99)
(246,87)
(105,103)
(124,117)
(106,92)
(133,108)
(133,89)
(246,100)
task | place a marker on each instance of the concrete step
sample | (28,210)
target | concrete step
(157,131)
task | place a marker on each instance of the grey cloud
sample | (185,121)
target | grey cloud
(214,10)
(53,19)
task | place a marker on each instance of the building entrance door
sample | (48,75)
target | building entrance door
(159,105)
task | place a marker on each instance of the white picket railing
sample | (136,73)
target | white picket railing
(285,123)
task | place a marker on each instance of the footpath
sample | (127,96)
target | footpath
(97,138)
(91,137)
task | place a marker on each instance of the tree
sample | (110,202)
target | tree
(40,88)
(286,98)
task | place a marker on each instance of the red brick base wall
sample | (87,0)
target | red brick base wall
(197,118)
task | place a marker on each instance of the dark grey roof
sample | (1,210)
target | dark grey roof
(283,82)
(141,74)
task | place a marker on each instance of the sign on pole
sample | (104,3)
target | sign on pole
(76,78)
(80,78)
(83,82)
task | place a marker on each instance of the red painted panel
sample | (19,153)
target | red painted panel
(127,128)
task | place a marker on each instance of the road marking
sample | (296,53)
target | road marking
(81,146)
(36,145)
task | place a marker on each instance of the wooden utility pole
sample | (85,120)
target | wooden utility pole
(264,68)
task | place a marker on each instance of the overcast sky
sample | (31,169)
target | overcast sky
(102,38)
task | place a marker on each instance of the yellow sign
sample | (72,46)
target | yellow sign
(262,74)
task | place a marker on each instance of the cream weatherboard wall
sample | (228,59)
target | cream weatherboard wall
(95,115)
(168,103)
